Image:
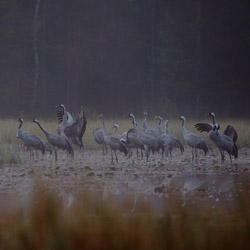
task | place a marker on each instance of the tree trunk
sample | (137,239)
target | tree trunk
(153,57)
(36,54)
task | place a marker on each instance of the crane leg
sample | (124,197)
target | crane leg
(230,157)
(116,157)
(141,154)
(147,154)
(222,156)
(103,149)
(112,160)
(55,151)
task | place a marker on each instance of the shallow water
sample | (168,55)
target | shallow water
(206,182)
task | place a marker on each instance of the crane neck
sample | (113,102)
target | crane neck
(116,131)
(213,117)
(65,120)
(158,126)
(133,120)
(21,124)
(63,109)
(166,127)
(44,131)
(184,131)
(144,122)
(104,127)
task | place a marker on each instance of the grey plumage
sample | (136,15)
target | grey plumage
(170,142)
(75,131)
(149,142)
(72,130)
(194,141)
(57,142)
(158,126)
(29,140)
(48,147)
(223,142)
(99,138)
(116,133)
(146,128)
(62,112)
(206,127)
(113,142)
(59,128)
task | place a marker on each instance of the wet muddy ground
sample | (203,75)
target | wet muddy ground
(206,181)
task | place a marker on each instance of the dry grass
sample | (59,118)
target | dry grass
(94,224)
(9,129)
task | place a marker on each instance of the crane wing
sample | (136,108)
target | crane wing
(231,132)
(81,123)
(203,127)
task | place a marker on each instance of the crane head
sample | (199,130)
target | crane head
(158,117)
(60,106)
(166,122)
(182,118)
(131,115)
(35,121)
(145,113)
(20,120)
(211,114)
(116,126)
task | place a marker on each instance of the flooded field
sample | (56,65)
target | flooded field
(206,181)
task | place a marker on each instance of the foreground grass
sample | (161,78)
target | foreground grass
(9,129)
(94,224)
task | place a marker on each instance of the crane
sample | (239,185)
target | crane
(31,141)
(223,142)
(99,138)
(72,130)
(194,141)
(63,112)
(116,134)
(146,128)
(113,142)
(158,127)
(172,141)
(229,131)
(149,142)
(130,138)
(57,142)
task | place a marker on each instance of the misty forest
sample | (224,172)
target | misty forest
(169,56)
(124,124)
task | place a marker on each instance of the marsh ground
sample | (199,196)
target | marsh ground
(206,181)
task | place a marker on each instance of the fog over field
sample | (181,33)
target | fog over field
(124,124)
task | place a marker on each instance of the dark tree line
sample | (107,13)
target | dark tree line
(168,56)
